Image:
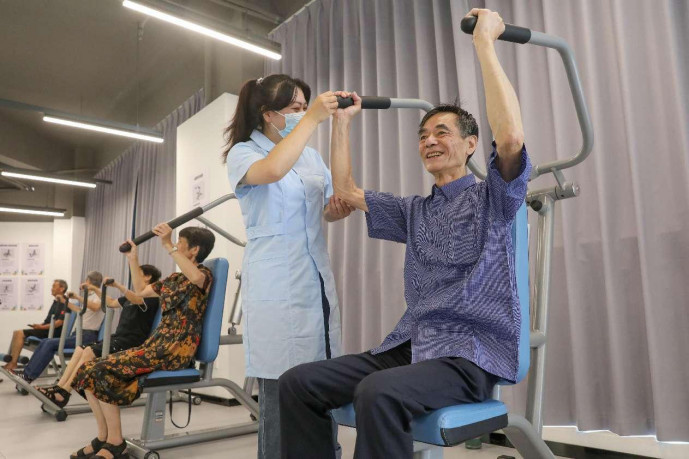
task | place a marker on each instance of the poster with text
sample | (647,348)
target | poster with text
(9,293)
(9,259)
(32,293)
(33,259)
(198,190)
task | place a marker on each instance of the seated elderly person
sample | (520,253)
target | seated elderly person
(133,328)
(113,381)
(91,322)
(460,333)
(57,312)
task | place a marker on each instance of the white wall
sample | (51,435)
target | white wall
(199,146)
(64,252)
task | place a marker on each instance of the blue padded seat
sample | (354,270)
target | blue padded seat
(210,336)
(70,324)
(452,425)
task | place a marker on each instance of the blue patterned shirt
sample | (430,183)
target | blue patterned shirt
(459,279)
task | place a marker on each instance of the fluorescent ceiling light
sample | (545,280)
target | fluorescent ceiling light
(138,6)
(47,211)
(101,128)
(42,178)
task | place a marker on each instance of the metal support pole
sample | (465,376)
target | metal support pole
(539,312)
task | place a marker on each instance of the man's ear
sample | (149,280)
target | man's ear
(473,143)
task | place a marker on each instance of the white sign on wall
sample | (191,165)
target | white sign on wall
(199,195)
(33,259)
(9,293)
(9,259)
(32,293)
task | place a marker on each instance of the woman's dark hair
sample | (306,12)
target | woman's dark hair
(199,237)
(256,97)
(150,270)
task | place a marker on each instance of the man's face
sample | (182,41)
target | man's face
(441,145)
(56,289)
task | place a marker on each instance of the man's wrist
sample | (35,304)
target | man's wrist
(483,41)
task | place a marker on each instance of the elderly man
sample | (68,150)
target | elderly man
(460,333)
(91,322)
(57,312)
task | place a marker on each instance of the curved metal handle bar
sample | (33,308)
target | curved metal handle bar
(182,219)
(523,35)
(585,125)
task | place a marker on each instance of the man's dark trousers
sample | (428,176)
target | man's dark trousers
(387,392)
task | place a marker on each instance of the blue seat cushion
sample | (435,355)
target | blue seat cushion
(447,426)
(33,339)
(167,378)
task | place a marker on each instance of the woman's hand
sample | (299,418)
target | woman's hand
(133,250)
(346,114)
(323,107)
(337,209)
(164,232)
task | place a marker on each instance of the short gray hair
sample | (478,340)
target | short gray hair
(95,278)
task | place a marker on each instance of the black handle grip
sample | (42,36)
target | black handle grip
(174,223)
(103,290)
(512,33)
(368,102)
(85,296)
(109,282)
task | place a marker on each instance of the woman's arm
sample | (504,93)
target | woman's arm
(188,267)
(281,158)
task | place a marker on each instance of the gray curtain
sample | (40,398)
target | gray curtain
(143,176)
(109,216)
(157,178)
(619,328)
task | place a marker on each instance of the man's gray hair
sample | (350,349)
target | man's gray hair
(95,278)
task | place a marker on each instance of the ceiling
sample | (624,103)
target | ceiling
(81,57)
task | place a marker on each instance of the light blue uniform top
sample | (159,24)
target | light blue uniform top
(286,251)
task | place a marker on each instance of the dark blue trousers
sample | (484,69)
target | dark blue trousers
(45,352)
(387,392)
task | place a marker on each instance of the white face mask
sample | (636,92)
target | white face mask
(291,120)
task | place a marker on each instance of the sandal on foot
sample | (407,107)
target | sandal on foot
(47,390)
(51,394)
(117,451)
(96,445)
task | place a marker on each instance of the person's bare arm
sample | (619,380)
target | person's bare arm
(502,105)
(340,155)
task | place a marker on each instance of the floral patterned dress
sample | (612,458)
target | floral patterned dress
(115,379)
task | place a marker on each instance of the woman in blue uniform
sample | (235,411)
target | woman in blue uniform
(290,306)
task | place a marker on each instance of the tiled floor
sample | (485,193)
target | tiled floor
(28,433)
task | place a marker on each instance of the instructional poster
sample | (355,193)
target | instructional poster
(32,293)
(9,293)
(198,190)
(9,259)
(33,259)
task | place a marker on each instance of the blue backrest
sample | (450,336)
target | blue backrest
(520,244)
(70,322)
(212,319)
(101,330)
